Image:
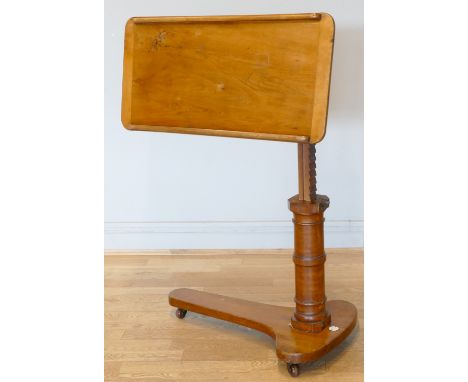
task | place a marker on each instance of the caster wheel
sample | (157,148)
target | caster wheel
(180,313)
(293,369)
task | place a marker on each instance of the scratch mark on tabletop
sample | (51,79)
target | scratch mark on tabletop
(159,40)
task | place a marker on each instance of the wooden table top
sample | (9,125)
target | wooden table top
(261,77)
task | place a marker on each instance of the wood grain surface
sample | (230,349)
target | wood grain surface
(144,341)
(261,77)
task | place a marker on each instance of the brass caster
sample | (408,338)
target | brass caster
(293,369)
(180,313)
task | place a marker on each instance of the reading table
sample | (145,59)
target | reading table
(257,77)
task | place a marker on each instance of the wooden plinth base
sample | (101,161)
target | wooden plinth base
(292,346)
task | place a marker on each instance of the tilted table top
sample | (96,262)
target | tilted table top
(261,77)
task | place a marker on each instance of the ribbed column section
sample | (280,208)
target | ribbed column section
(309,259)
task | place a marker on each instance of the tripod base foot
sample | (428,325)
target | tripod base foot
(292,346)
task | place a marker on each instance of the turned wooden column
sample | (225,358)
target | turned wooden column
(309,254)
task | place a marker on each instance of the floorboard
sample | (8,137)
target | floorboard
(145,342)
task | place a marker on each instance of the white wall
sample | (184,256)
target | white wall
(182,191)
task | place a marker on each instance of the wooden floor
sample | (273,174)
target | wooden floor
(145,342)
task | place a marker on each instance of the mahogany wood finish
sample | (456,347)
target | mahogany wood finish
(262,77)
(314,327)
(292,346)
(309,260)
(309,251)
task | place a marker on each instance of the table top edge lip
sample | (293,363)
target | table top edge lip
(314,17)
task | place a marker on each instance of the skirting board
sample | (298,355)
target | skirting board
(226,235)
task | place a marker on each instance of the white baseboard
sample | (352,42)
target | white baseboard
(225,235)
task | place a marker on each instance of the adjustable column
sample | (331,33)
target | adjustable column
(309,254)
(309,259)
(301,334)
